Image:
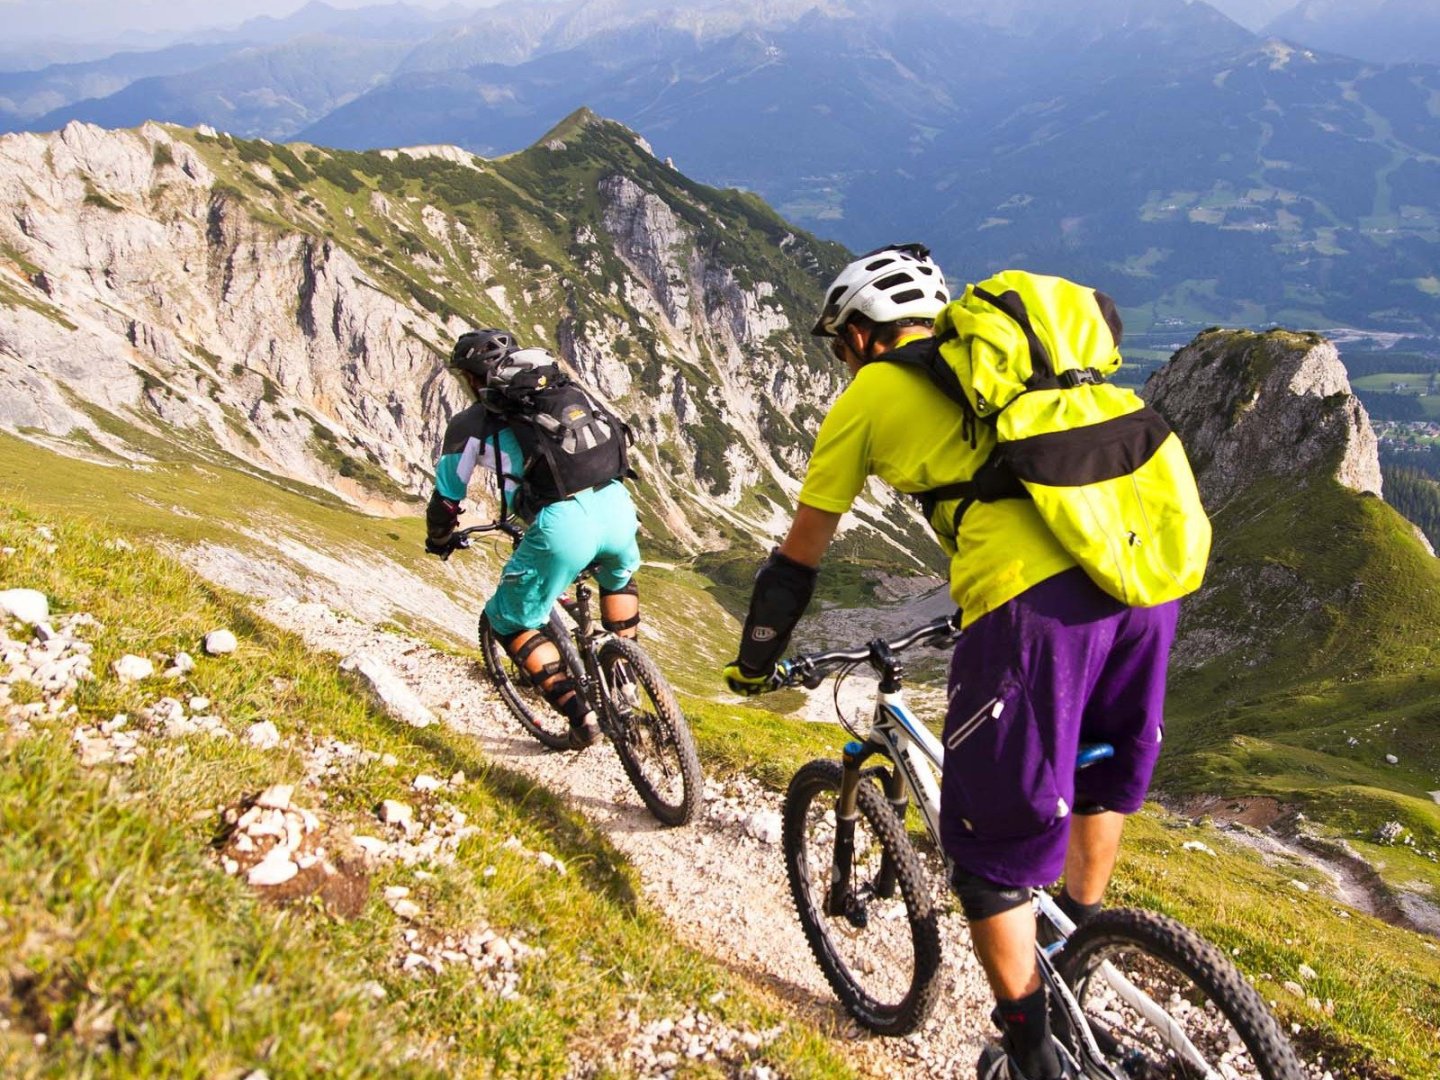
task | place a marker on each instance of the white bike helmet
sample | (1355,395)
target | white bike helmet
(900,281)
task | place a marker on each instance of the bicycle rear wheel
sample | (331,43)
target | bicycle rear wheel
(1163,1003)
(882,955)
(649,732)
(519,691)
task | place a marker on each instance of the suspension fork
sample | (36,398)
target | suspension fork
(838,901)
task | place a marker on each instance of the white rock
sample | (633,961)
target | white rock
(276,797)
(199,704)
(275,869)
(396,813)
(27,605)
(394,694)
(220,643)
(396,892)
(1308,973)
(425,782)
(130,668)
(371,845)
(406,909)
(765,826)
(263,735)
(1196,845)
(184,664)
(1391,759)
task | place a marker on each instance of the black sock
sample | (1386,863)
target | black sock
(1079,913)
(1026,1024)
(573,709)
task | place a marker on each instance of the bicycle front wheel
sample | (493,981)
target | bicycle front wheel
(881,951)
(1164,1003)
(649,732)
(518,689)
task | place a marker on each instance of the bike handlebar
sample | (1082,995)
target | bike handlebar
(509,528)
(810,669)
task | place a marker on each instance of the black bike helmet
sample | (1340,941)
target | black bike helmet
(479,351)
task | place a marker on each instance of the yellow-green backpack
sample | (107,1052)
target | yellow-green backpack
(1031,354)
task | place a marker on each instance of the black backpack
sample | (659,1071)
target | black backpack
(569,441)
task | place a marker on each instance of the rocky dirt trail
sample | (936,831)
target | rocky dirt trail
(720,881)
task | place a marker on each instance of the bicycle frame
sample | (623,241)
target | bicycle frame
(587,637)
(918,760)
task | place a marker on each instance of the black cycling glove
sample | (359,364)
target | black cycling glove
(783,588)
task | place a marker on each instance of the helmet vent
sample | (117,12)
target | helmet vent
(878,263)
(894,281)
(906,295)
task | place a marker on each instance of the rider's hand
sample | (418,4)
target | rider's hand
(443,548)
(742,682)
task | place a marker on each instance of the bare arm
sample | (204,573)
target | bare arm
(810,534)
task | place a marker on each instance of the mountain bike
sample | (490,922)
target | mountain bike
(636,708)
(1134,994)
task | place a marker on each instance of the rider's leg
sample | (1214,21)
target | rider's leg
(537,654)
(620,609)
(546,561)
(1126,710)
(617,557)
(1002,931)
(1090,858)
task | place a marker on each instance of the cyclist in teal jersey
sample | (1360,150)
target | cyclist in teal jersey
(596,524)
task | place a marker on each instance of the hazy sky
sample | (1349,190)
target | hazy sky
(92,19)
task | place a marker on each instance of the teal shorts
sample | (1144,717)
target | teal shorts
(565,537)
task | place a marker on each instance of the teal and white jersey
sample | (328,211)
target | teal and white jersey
(470,443)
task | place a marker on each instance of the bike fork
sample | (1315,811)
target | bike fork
(840,900)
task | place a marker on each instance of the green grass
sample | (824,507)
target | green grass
(135,955)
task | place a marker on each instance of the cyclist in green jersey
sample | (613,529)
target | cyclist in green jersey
(1045,657)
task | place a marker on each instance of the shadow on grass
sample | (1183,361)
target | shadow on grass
(572,837)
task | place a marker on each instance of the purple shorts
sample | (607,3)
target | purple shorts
(1061,664)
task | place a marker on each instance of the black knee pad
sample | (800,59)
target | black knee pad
(1088,808)
(521,654)
(628,589)
(981,898)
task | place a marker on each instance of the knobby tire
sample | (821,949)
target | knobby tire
(1142,945)
(653,740)
(903,1005)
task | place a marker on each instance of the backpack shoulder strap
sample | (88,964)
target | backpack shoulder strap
(924,354)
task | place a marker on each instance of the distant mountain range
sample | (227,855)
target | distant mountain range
(1199,171)
(1383,31)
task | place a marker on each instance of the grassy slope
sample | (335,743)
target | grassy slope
(1352,602)
(110,901)
(1373,973)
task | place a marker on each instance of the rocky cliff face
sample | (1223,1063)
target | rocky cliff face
(1255,406)
(291,308)
(1285,457)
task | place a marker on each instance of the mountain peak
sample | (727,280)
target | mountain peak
(581,122)
(1250,406)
